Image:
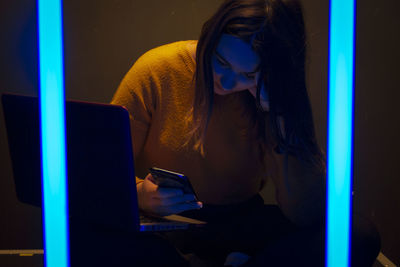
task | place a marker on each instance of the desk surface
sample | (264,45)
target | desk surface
(21,258)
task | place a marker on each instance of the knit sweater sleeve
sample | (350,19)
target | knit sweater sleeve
(138,95)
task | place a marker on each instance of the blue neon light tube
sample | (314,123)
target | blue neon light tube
(340,132)
(52,123)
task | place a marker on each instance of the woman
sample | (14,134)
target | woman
(231,111)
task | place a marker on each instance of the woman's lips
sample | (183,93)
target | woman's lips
(220,90)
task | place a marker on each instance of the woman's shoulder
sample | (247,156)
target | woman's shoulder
(171,55)
(171,48)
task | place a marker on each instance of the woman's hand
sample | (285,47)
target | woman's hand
(264,97)
(164,201)
(236,259)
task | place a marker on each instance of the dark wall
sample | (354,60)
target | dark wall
(104,38)
(20,225)
(376,130)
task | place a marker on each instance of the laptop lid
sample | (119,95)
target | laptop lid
(100,168)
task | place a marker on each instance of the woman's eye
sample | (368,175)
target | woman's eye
(221,62)
(250,76)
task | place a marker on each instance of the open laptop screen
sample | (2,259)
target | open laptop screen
(101,179)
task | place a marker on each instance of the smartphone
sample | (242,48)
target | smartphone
(165,178)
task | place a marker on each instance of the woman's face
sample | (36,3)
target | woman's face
(235,66)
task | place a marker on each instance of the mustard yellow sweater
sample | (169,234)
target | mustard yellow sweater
(158,93)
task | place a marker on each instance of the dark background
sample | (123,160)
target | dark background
(103,38)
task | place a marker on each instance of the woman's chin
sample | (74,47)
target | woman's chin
(222,93)
(219,91)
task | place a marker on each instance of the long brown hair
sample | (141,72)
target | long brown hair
(275,30)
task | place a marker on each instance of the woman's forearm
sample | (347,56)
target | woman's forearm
(301,192)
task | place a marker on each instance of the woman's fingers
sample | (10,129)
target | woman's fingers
(178,208)
(172,196)
(177,200)
(164,201)
(163,192)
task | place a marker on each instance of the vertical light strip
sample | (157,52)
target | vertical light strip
(52,118)
(340,132)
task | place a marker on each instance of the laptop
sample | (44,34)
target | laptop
(100,166)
